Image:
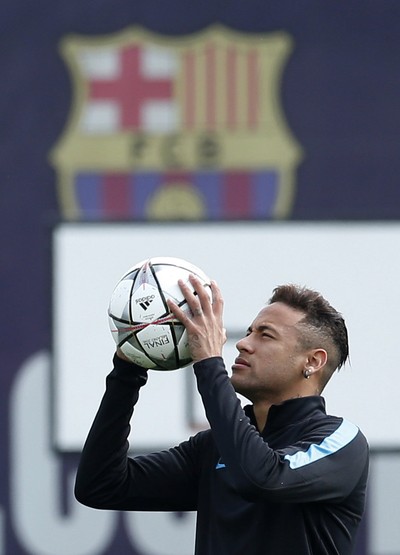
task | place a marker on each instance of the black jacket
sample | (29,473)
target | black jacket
(297,488)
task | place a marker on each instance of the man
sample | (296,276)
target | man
(280,477)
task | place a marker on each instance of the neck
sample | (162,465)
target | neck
(261,406)
(261,410)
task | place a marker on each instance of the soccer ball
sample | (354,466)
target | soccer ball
(140,321)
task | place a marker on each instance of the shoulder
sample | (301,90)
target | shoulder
(338,432)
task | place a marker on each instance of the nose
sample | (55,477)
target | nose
(244,344)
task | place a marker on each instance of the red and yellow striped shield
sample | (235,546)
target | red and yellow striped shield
(176,128)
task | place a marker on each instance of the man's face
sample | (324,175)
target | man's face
(270,361)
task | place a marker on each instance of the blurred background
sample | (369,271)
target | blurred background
(154,111)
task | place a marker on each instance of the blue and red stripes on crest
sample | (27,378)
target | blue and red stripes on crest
(223,195)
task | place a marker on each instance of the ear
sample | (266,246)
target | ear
(316,361)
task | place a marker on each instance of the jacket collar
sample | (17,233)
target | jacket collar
(291,411)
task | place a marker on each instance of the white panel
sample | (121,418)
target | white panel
(99,63)
(159,116)
(100,116)
(355,265)
(159,63)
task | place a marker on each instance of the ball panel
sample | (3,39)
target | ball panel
(157,342)
(131,274)
(145,275)
(146,304)
(120,331)
(168,277)
(137,356)
(183,348)
(179,263)
(127,334)
(119,306)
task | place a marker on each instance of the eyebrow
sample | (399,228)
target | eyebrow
(263,327)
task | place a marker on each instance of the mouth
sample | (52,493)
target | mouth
(240,363)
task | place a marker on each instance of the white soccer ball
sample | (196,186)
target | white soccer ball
(140,321)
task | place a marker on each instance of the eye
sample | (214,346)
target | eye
(267,334)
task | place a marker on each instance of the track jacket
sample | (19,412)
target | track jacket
(298,488)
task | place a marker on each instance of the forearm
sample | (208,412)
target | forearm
(103,465)
(239,443)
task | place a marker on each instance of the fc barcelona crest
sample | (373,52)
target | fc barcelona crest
(176,128)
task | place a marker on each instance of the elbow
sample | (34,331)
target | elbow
(97,495)
(85,496)
(82,496)
(89,500)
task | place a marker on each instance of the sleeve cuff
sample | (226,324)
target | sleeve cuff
(208,363)
(129,371)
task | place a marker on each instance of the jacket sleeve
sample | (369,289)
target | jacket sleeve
(108,478)
(301,472)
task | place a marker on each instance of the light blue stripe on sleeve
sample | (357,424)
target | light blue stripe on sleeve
(331,444)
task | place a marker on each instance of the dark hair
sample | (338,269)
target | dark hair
(323,325)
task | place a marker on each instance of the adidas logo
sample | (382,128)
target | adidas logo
(145,302)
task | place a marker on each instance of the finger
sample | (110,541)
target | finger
(188,292)
(217,300)
(178,312)
(191,296)
(202,296)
